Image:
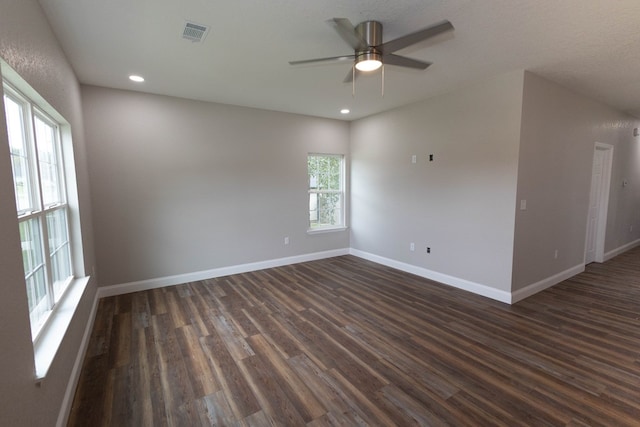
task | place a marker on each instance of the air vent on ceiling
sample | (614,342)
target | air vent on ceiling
(194,32)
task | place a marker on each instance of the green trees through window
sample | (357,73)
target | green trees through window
(326,191)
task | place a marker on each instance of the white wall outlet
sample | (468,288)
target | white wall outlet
(412,246)
(555,254)
(414,158)
(523,205)
(286,240)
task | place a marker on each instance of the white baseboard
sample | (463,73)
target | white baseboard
(543,284)
(67,401)
(620,250)
(476,288)
(161,282)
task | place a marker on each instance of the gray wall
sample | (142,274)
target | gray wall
(181,186)
(559,131)
(461,204)
(28,46)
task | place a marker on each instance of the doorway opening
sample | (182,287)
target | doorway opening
(598,202)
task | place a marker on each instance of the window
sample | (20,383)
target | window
(326,191)
(38,178)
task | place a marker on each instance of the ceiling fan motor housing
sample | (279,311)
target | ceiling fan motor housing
(371,33)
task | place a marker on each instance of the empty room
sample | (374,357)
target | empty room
(320,213)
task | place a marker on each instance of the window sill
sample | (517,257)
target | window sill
(326,230)
(52,334)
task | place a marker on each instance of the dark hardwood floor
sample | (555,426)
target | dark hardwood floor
(344,341)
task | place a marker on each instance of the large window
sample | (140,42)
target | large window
(38,177)
(326,191)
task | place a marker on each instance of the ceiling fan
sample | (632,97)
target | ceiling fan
(370,53)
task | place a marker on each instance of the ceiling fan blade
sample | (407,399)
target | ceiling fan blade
(330,59)
(403,61)
(347,31)
(424,34)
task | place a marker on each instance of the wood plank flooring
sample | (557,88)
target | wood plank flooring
(347,342)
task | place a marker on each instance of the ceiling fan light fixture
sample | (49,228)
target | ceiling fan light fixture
(370,61)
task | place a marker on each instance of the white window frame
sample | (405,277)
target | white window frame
(341,225)
(49,339)
(38,211)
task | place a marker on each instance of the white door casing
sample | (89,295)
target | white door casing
(598,203)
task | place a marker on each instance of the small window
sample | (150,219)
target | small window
(36,160)
(326,191)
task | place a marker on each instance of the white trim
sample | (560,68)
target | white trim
(53,332)
(603,208)
(621,249)
(466,285)
(543,284)
(604,200)
(322,230)
(67,401)
(161,282)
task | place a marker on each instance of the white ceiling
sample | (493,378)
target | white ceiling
(591,46)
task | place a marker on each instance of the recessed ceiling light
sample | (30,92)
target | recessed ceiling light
(137,79)
(345,111)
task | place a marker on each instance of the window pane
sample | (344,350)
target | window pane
(36,293)
(59,247)
(329,209)
(15,126)
(49,178)
(31,241)
(324,166)
(313,209)
(20,167)
(312,169)
(19,153)
(57,229)
(334,179)
(34,269)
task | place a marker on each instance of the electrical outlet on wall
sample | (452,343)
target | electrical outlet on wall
(286,240)
(412,246)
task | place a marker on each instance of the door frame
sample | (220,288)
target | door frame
(603,208)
